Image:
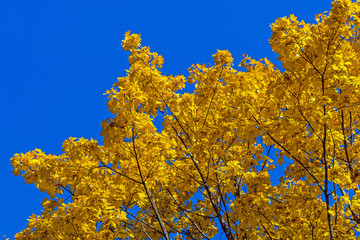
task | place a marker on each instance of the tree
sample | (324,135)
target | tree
(208,170)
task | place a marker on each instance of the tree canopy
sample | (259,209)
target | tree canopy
(207,171)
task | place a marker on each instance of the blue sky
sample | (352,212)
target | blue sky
(59,57)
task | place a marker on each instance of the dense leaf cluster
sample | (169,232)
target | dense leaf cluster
(205,172)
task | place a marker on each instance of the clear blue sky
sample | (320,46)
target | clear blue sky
(57,58)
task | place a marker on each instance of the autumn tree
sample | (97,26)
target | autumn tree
(207,171)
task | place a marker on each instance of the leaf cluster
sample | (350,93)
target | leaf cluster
(206,172)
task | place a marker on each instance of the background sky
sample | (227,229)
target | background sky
(57,58)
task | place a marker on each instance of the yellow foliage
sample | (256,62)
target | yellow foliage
(205,171)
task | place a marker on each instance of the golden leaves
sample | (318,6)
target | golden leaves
(223,58)
(131,41)
(206,170)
